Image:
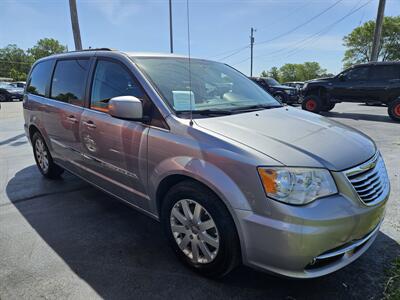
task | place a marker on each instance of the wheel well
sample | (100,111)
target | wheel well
(321,92)
(166,184)
(32,130)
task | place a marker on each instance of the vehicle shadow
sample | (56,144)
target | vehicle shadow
(359,116)
(13,140)
(122,254)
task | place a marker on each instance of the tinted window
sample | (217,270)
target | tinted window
(385,72)
(112,80)
(39,78)
(356,74)
(68,84)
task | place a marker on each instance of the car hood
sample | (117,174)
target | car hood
(295,138)
(15,91)
(324,79)
(283,87)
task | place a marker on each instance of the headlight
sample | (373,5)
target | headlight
(296,186)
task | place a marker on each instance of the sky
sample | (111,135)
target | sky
(287,31)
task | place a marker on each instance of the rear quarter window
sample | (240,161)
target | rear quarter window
(39,78)
(385,72)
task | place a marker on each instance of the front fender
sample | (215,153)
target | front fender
(208,174)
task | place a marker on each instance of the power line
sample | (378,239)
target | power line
(235,51)
(16,62)
(312,37)
(301,25)
(319,34)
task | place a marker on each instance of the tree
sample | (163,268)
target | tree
(289,72)
(359,42)
(14,62)
(45,47)
(273,72)
(296,72)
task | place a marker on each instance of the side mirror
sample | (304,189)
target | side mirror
(126,107)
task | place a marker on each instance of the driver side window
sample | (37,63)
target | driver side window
(112,80)
(356,74)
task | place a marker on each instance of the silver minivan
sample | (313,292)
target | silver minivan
(232,175)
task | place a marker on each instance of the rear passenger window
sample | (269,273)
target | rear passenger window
(385,72)
(68,84)
(39,78)
(112,80)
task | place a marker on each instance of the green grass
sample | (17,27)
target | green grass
(392,285)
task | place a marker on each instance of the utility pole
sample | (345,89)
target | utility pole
(251,50)
(378,30)
(75,24)
(171,42)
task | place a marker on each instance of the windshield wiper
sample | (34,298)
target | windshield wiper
(255,107)
(208,112)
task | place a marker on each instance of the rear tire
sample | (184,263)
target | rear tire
(394,110)
(43,158)
(312,103)
(184,229)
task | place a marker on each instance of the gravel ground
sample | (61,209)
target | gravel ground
(65,239)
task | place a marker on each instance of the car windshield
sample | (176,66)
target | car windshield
(211,86)
(271,81)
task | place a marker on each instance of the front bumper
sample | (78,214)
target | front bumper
(15,97)
(293,98)
(312,240)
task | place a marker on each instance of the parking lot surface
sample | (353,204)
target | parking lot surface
(66,239)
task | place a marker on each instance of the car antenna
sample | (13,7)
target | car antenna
(190,71)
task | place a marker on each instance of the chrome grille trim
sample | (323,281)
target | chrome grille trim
(370,180)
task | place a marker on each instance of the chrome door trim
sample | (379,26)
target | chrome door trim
(132,190)
(106,164)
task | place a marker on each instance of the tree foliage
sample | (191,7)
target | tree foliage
(15,63)
(45,47)
(296,72)
(359,42)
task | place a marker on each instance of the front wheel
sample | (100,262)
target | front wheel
(312,103)
(394,110)
(200,229)
(43,158)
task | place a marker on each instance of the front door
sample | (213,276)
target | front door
(115,150)
(351,85)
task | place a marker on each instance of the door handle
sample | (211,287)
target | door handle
(89,124)
(72,119)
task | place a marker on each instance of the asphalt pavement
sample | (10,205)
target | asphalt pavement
(67,240)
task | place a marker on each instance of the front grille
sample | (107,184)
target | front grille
(370,180)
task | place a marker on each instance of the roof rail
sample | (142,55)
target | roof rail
(93,49)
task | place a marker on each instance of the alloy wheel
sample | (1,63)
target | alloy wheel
(311,105)
(194,231)
(42,155)
(397,110)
